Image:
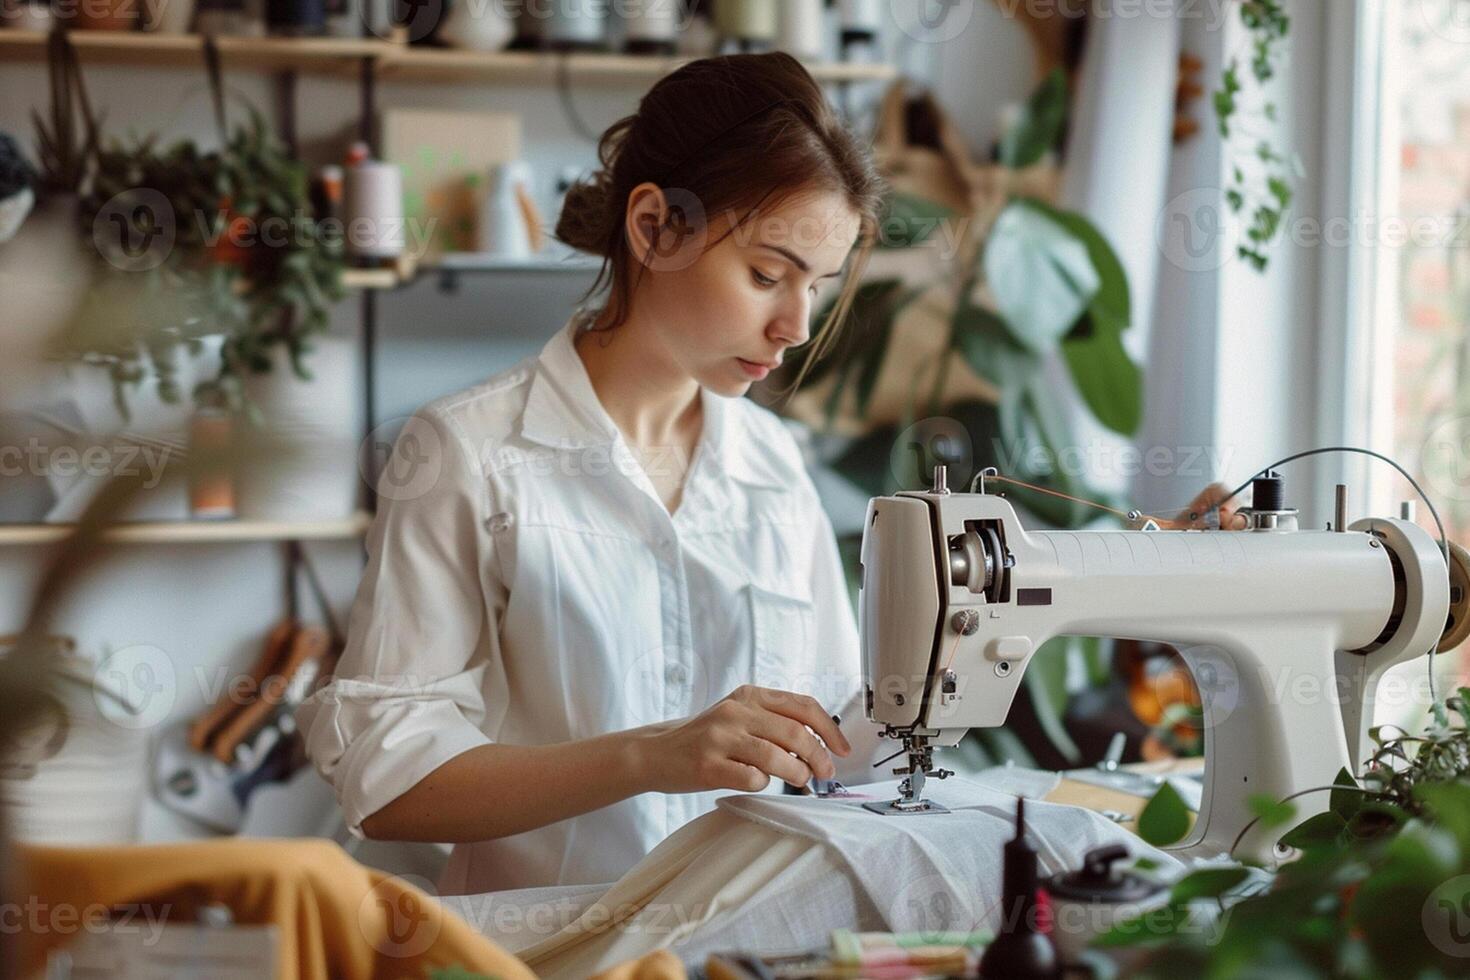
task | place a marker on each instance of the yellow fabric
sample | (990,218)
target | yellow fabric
(337,919)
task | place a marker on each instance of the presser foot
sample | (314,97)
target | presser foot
(911,791)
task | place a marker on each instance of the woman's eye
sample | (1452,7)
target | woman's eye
(762,279)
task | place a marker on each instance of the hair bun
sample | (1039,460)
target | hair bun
(584,221)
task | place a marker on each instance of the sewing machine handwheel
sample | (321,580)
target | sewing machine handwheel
(1457,626)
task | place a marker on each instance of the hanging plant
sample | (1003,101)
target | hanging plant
(246,260)
(1261,173)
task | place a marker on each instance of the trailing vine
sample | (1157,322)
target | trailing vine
(1262,174)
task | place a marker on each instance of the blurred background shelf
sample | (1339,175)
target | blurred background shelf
(397,62)
(197,532)
(452,265)
(160,50)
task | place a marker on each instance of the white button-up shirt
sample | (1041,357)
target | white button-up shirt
(526,585)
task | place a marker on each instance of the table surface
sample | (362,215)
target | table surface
(1100,798)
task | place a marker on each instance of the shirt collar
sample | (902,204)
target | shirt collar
(563,411)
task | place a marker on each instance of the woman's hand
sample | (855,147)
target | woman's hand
(740,742)
(1194,515)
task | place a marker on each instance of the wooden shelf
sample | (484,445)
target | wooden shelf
(440,64)
(395,62)
(197,532)
(371,279)
(315,54)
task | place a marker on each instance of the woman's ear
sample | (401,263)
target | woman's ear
(666,229)
(646,212)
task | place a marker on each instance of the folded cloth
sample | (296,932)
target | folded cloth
(777,880)
(939,871)
(334,917)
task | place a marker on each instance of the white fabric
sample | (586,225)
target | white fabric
(777,874)
(526,585)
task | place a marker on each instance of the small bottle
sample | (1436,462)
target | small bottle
(211,477)
(1020,950)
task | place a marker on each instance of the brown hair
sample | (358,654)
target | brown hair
(735,133)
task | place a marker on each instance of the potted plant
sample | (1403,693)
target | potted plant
(204,244)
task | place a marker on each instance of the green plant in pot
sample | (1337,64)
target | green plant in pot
(240,254)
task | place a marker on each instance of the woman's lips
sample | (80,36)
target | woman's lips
(755,370)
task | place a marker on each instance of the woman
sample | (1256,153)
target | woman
(601,590)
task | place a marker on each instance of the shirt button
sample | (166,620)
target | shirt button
(676,674)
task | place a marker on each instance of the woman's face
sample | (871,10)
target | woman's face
(726,315)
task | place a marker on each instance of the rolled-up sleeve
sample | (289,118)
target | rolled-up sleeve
(407,693)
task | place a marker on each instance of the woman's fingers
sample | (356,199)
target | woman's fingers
(771,758)
(795,738)
(1210,496)
(808,711)
(737,775)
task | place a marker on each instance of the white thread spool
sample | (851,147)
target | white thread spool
(803,28)
(373,208)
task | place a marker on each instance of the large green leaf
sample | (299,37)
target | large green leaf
(874,305)
(992,353)
(1106,377)
(1113,300)
(1040,125)
(1040,273)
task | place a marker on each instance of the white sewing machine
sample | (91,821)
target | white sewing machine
(1287,632)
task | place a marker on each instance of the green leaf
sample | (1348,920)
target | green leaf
(1165,818)
(874,303)
(1107,378)
(1207,883)
(992,353)
(1345,802)
(1040,125)
(1271,811)
(1112,301)
(1040,273)
(1320,830)
(909,220)
(1046,683)
(1450,804)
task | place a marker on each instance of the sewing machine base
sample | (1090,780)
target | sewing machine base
(898,808)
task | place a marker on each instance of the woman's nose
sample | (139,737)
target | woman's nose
(792,327)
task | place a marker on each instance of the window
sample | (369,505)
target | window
(1421,321)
